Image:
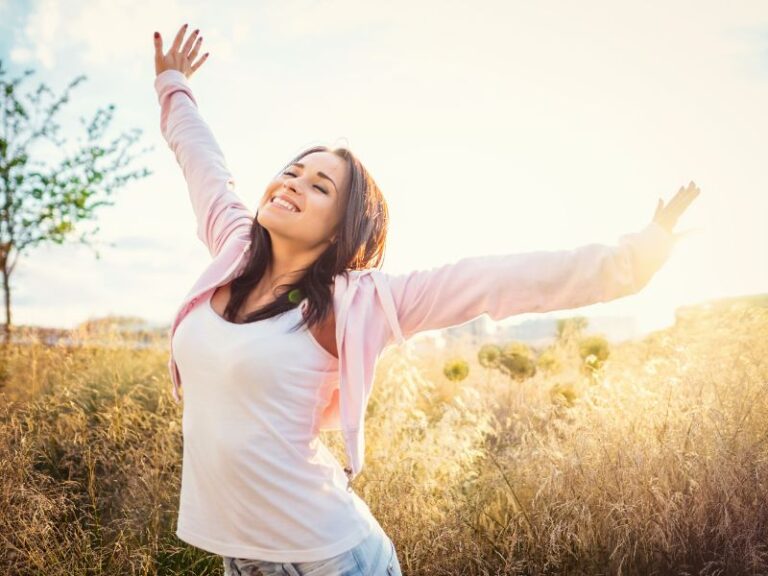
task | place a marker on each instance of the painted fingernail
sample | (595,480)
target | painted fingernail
(157,35)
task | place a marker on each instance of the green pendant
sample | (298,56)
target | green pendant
(295,296)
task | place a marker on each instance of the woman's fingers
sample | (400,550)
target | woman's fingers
(195,49)
(158,49)
(686,197)
(180,57)
(668,215)
(672,206)
(682,199)
(188,44)
(200,62)
(179,37)
(659,206)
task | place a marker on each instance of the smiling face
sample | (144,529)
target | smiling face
(317,186)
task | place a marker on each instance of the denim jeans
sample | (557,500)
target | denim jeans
(374,556)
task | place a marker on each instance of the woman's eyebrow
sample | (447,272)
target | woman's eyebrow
(321,174)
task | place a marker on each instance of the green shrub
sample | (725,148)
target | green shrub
(594,351)
(489,356)
(456,370)
(517,361)
(548,361)
(563,394)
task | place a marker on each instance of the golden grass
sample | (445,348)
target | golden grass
(656,464)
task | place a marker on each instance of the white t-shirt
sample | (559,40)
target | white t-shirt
(257,482)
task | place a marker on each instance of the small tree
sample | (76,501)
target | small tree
(594,350)
(489,356)
(548,361)
(517,361)
(571,327)
(43,204)
(456,370)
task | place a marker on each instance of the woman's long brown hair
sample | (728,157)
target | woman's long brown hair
(359,244)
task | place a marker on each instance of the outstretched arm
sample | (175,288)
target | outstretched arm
(538,281)
(219,211)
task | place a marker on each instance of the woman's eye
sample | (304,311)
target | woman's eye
(316,186)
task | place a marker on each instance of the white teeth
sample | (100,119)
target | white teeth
(282,202)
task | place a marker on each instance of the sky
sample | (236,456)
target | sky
(491,127)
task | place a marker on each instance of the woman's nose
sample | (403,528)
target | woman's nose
(288,185)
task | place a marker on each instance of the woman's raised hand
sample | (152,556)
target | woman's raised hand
(179,57)
(667,215)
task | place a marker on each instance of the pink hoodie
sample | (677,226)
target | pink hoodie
(374,309)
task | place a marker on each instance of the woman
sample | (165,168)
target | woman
(278,338)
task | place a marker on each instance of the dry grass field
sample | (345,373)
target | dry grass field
(654,463)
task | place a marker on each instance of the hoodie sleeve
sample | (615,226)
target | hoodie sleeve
(538,281)
(218,210)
